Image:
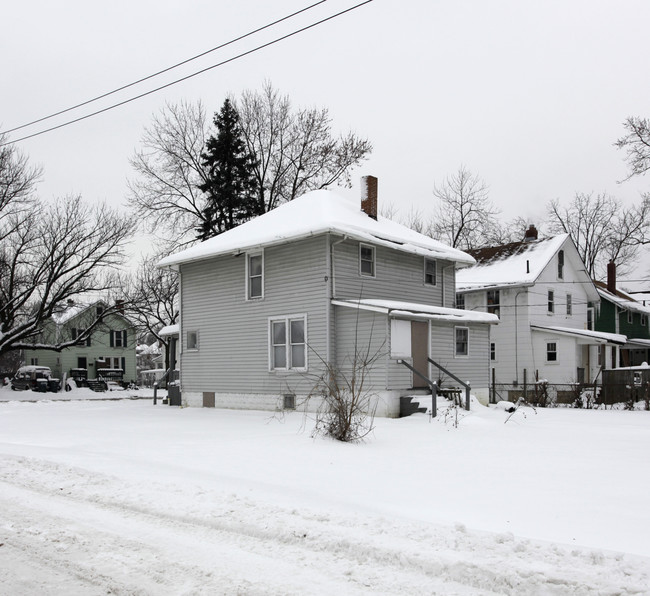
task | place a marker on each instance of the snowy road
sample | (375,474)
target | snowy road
(97,522)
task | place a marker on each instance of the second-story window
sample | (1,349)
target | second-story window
(118,339)
(429,272)
(76,333)
(367,260)
(255,276)
(569,304)
(460,301)
(551,302)
(493,302)
(560,265)
(630,317)
(590,318)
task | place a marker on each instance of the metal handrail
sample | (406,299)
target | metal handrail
(453,376)
(434,386)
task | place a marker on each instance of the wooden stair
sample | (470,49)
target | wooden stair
(407,406)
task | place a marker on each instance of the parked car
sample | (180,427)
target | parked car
(113,386)
(36,378)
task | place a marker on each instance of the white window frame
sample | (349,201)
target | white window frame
(373,261)
(466,353)
(630,317)
(495,307)
(569,304)
(493,351)
(435,272)
(192,346)
(554,351)
(249,256)
(550,302)
(286,319)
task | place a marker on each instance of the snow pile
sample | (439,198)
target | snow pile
(124,497)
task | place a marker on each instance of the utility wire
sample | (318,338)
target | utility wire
(260,47)
(151,76)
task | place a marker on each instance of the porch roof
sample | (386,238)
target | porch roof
(396,308)
(637,342)
(584,336)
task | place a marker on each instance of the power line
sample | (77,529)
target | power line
(103,95)
(238,56)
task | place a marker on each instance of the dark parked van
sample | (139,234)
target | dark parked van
(36,378)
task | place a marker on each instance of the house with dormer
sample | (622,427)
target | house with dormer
(271,306)
(545,301)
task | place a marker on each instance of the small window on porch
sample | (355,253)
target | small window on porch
(462,341)
(551,351)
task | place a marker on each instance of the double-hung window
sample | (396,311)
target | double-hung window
(493,302)
(429,272)
(460,301)
(255,276)
(551,351)
(551,302)
(288,343)
(462,341)
(560,265)
(367,260)
(569,304)
(118,339)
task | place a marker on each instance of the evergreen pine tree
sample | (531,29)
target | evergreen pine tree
(230,186)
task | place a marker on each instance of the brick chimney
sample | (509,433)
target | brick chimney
(369,196)
(611,277)
(530,234)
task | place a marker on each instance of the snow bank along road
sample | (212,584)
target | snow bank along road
(122,498)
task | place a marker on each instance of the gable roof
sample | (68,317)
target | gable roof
(317,212)
(514,264)
(621,299)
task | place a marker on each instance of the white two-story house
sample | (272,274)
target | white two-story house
(269,307)
(541,292)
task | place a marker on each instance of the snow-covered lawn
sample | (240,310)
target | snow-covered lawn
(122,497)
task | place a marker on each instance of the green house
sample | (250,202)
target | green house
(108,352)
(620,313)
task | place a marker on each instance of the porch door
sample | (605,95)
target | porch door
(82,362)
(420,351)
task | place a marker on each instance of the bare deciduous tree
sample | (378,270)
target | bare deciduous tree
(464,215)
(151,300)
(165,192)
(602,229)
(636,144)
(295,150)
(49,253)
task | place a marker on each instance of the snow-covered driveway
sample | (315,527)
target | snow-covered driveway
(127,498)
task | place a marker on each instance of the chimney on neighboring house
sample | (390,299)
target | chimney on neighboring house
(530,234)
(611,277)
(369,196)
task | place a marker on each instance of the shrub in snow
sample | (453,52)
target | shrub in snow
(347,408)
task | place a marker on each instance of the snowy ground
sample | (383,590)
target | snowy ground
(121,497)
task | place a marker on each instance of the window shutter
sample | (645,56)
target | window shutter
(74,333)
(124,338)
(112,339)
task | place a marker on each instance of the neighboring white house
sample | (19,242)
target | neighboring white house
(268,306)
(541,292)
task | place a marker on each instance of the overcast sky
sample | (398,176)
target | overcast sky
(529,95)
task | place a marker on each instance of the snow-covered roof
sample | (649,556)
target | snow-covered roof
(169,330)
(398,308)
(514,264)
(598,337)
(318,212)
(621,299)
(70,310)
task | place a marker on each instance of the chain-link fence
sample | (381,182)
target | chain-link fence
(624,387)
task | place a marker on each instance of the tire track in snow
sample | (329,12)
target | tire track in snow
(377,556)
